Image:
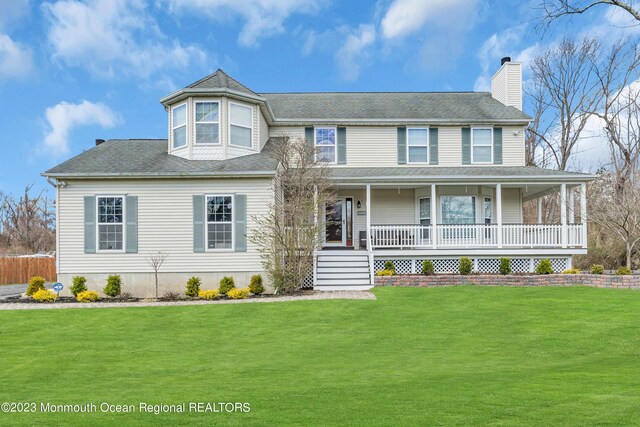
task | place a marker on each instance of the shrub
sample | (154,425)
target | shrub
(427,267)
(238,293)
(209,294)
(544,267)
(597,269)
(226,284)
(255,286)
(79,285)
(466,266)
(571,271)
(87,296)
(44,295)
(388,265)
(35,284)
(171,296)
(113,287)
(193,287)
(505,266)
(126,295)
(623,271)
(385,273)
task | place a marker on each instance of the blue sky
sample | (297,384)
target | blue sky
(72,71)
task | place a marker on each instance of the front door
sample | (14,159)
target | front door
(336,223)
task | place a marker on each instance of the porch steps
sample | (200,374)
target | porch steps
(343,270)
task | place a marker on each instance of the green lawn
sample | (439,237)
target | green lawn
(455,355)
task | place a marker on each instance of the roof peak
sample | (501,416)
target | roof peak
(220,80)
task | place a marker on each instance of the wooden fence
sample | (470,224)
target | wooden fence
(20,270)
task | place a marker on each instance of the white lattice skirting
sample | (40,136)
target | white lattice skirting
(480,265)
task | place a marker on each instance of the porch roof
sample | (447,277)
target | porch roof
(458,174)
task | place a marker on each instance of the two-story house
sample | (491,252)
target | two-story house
(419,175)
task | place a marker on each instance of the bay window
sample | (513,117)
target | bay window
(418,145)
(325,144)
(207,122)
(110,223)
(179,126)
(482,145)
(219,217)
(240,125)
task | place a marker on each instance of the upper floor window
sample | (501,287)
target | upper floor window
(325,144)
(241,125)
(179,128)
(110,223)
(207,122)
(418,145)
(481,145)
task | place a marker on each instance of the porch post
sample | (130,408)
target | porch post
(434,213)
(539,200)
(572,214)
(583,213)
(499,212)
(369,239)
(563,213)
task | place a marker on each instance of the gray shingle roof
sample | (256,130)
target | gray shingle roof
(149,157)
(444,107)
(220,80)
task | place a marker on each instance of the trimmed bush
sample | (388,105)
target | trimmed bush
(466,266)
(238,293)
(571,271)
(44,295)
(597,269)
(388,265)
(87,296)
(113,287)
(209,294)
(193,287)
(226,284)
(386,273)
(79,285)
(505,266)
(544,267)
(624,271)
(427,267)
(255,286)
(36,283)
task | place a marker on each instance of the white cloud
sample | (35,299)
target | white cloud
(113,37)
(15,59)
(64,117)
(12,11)
(353,51)
(262,18)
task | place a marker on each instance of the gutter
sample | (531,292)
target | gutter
(528,178)
(259,174)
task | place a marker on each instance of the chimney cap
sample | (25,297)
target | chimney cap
(505,59)
(99,141)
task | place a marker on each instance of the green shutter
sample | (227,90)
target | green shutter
(402,145)
(433,146)
(89,224)
(131,207)
(497,146)
(308,136)
(198,223)
(240,213)
(342,146)
(466,146)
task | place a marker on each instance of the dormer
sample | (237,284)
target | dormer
(216,118)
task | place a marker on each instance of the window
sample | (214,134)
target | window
(325,144)
(488,210)
(219,222)
(179,129)
(418,145)
(458,209)
(241,124)
(110,223)
(482,145)
(425,211)
(207,123)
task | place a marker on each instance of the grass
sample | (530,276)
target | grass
(445,356)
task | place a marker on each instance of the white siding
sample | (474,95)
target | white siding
(511,206)
(165,223)
(513,146)
(290,131)
(263,130)
(449,146)
(392,206)
(372,146)
(506,84)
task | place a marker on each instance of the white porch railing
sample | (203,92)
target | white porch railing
(475,236)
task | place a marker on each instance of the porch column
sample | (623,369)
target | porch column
(369,239)
(539,200)
(583,213)
(563,213)
(499,212)
(572,214)
(434,213)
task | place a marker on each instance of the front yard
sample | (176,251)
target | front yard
(416,356)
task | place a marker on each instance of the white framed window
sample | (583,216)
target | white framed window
(325,144)
(179,125)
(487,210)
(425,210)
(458,209)
(110,221)
(207,122)
(219,215)
(417,145)
(240,125)
(481,145)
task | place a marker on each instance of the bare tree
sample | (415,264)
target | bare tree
(617,211)
(27,223)
(555,9)
(155,260)
(291,231)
